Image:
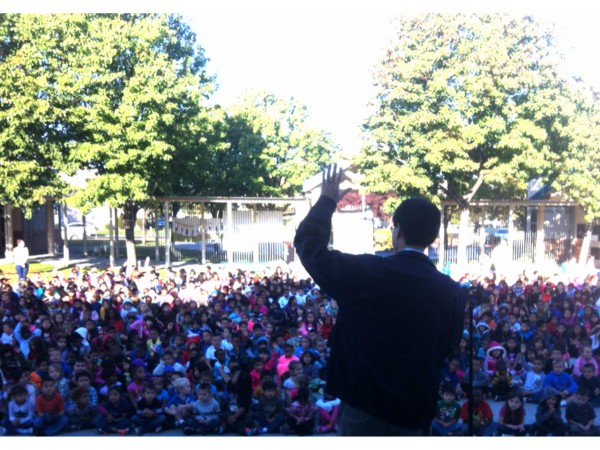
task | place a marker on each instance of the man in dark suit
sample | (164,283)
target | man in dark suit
(399,318)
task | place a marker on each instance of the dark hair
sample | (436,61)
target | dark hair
(293,364)
(269,384)
(78,392)
(514,393)
(312,357)
(17,390)
(267,373)
(82,373)
(115,388)
(46,379)
(501,365)
(204,387)
(583,391)
(419,221)
(448,389)
(303,393)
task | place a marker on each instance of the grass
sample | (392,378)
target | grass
(44,269)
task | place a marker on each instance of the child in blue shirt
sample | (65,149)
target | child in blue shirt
(149,414)
(162,395)
(114,413)
(179,406)
(20,412)
(561,381)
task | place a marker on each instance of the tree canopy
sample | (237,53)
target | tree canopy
(470,104)
(272,148)
(124,98)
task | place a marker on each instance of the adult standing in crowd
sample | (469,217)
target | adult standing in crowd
(398,318)
(21,259)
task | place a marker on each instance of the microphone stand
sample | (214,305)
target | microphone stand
(473,297)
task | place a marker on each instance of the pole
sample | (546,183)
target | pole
(111,237)
(167,235)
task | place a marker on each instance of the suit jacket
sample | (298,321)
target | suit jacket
(399,317)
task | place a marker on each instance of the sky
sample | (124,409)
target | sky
(323,53)
(325,58)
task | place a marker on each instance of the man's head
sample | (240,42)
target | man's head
(416,223)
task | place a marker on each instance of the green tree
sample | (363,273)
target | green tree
(467,104)
(118,96)
(34,143)
(578,175)
(140,113)
(271,148)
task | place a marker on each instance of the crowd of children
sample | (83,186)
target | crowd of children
(219,352)
(136,351)
(530,341)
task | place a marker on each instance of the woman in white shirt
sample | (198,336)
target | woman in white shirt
(21,258)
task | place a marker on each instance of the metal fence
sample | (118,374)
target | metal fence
(488,236)
(219,230)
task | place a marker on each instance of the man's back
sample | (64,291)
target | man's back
(398,317)
(394,328)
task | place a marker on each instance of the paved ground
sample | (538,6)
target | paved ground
(82,261)
(530,409)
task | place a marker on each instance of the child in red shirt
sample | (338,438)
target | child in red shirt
(50,410)
(483,417)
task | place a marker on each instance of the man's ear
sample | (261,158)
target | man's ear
(398,232)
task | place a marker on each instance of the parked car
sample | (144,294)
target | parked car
(160,223)
(75,230)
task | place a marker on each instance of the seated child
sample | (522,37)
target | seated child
(301,419)
(205,413)
(483,424)
(481,378)
(81,413)
(447,414)
(534,381)
(83,379)
(586,357)
(270,412)
(179,406)
(548,420)
(111,379)
(167,361)
(501,380)
(221,372)
(21,412)
(561,381)
(512,416)
(257,368)
(50,411)
(592,383)
(294,380)
(41,371)
(149,414)
(328,408)
(494,354)
(114,413)
(452,375)
(580,415)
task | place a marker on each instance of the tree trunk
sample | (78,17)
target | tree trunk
(144,213)
(129,214)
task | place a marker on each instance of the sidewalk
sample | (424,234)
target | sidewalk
(102,262)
